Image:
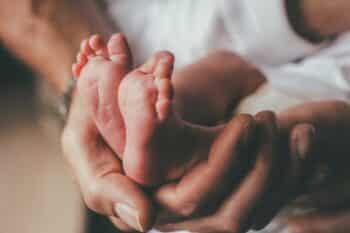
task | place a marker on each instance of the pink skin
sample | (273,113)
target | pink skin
(100,69)
(134,111)
(154,150)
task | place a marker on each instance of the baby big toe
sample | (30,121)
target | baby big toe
(119,50)
(164,67)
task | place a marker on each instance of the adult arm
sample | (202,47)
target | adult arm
(319,19)
(98,172)
(208,90)
(46,34)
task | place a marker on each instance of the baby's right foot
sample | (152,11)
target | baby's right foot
(100,69)
(159,145)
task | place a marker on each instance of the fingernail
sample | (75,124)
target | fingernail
(304,142)
(129,215)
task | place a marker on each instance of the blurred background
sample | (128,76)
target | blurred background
(37,193)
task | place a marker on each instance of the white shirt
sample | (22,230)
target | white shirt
(258,30)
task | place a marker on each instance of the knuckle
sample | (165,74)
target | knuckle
(188,209)
(230,225)
(304,129)
(303,140)
(238,133)
(244,117)
(303,132)
(242,121)
(266,116)
(93,196)
(246,121)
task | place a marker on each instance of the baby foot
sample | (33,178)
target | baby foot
(100,69)
(157,142)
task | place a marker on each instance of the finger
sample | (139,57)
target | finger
(331,120)
(321,223)
(330,149)
(234,216)
(244,202)
(228,155)
(285,189)
(236,211)
(99,173)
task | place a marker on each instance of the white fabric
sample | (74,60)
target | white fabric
(257,30)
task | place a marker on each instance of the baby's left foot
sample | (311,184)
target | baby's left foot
(157,142)
(100,69)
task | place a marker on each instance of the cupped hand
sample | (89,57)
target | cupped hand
(232,163)
(245,173)
(99,174)
(313,131)
(330,192)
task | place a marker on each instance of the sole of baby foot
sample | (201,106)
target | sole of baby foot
(157,141)
(100,69)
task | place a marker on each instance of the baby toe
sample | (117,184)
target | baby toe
(151,64)
(98,46)
(164,67)
(86,49)
(119,50)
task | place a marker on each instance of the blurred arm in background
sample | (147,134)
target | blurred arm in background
(319,19)
(46,34)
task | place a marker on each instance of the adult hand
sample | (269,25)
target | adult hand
(330,195)
(53,31)
(98,170)
(99,174)
(315,130)
(239,184)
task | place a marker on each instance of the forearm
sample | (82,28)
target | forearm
(207,91)
(318,19)
(46,34)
